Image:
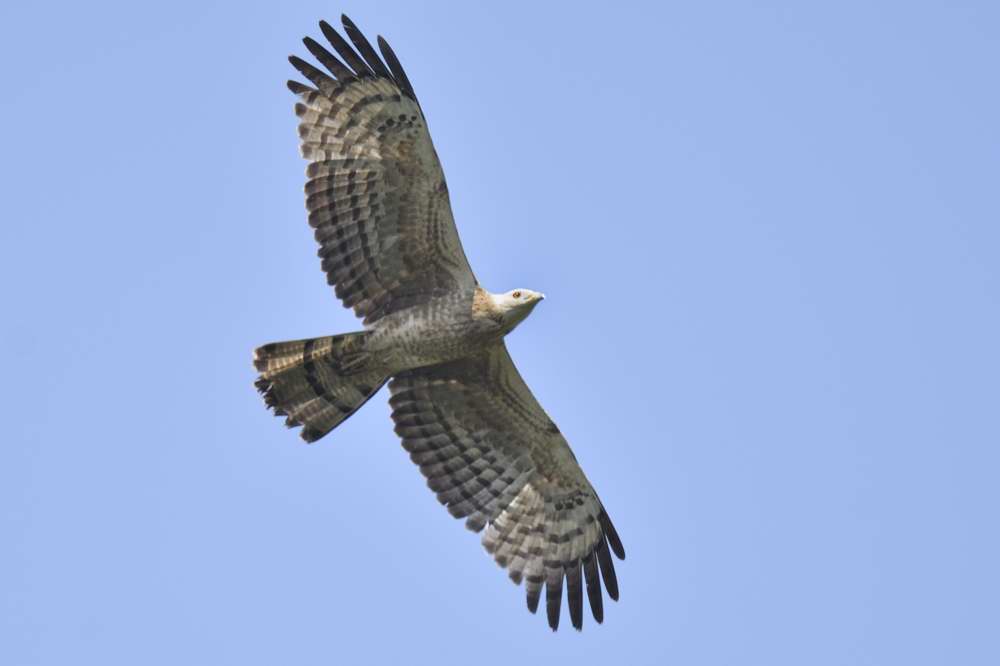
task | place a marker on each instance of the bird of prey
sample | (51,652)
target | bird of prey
(378,203)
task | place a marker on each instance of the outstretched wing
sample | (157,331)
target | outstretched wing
(376,193)
(494,457)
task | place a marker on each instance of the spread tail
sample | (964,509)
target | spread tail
(317,383)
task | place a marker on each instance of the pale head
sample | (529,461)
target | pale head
(516,304)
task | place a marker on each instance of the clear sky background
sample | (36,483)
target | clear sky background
(769,236)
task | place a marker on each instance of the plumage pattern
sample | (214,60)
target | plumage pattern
(379,207)
(376,193)
(494,457)
(304,380)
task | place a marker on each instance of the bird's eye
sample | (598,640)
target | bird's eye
(517,294)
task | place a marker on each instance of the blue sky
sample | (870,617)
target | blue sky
(769,238)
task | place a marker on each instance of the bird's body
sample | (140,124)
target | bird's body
(441,330)
(379,205)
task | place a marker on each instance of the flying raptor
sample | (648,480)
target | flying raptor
(378,202)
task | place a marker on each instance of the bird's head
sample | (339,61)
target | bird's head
(517,304)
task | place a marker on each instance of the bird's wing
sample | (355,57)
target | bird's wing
(375,193)
(495,458)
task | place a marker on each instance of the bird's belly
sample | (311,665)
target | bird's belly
(416,339)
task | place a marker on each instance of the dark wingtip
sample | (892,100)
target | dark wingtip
(613,539)
(534,593)
(592,577)
(553,600)
(350,56)
(310,434)
(328,60)
(574,595)
(317,77)
(398,73)
(364,47)
(607,567)
(298,63)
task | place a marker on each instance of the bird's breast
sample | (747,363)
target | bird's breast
(434,333)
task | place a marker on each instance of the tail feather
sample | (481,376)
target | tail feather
(317,383)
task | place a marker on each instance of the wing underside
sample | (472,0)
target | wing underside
(375,190)
(493,457)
